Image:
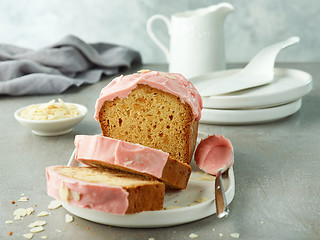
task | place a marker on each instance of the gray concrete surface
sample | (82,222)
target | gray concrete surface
(276,167)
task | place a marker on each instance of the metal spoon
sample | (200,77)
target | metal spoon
(259,71)
(214,155)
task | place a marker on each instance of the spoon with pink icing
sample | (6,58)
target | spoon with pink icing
(214,155)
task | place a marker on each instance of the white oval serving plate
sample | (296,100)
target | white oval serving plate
(183,206)
(251,116)
(288,85)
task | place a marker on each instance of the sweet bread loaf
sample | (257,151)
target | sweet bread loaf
(104,189)
(155,109)
(100,151)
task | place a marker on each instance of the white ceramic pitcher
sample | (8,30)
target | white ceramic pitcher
(197,40)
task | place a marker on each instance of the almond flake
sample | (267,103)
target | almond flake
(171,207)
(167,76)
(144,71)
(9,222)
(28,235)
(37,224)
(37,229)
(21,212)
(193,235)
(43,214)
(201,200)
(30,210)
(64,193)
(17,217)
(235,235)
(207,177)
(75,196)
(54,204)
(23,199)
(68,218)
(43,237)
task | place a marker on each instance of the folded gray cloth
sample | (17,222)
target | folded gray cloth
(52,70)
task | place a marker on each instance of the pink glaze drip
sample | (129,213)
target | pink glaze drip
(173,83)
(214,153)
(128,155)
(101,197)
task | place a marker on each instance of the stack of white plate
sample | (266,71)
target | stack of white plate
(270,102)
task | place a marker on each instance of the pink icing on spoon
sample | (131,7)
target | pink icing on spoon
(214,153)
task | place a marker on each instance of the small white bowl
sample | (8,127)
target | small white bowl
(51,127)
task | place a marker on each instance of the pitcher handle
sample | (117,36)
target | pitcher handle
(154,37)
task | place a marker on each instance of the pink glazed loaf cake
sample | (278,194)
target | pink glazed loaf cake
(100,151)
(155,109)
(104,190)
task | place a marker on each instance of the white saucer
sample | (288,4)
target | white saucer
(188,210)
(288,85)
(251,116)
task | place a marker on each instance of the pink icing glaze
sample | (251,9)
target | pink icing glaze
(214,153)
(128,155)
(173,83)
(101,197)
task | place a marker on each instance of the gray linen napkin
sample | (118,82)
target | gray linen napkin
(52,70)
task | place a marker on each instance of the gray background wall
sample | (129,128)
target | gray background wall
(253,25)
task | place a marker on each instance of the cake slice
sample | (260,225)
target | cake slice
(154,109)
(104,190)
(100,151)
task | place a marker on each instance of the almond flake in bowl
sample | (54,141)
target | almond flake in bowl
(52,118)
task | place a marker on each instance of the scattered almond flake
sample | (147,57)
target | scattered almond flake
(54,204)
(37,223)
(37,229)
(75,196)
(127,163)
(151,239)
(58,230)
(261,222)
(193,235)
(17,217)
(21,212)
(213,229)
(30,210)
(9,222)
(64,192)
(171,207)
(195,178)
(235,235)
(28,235)
(207,177)
(220,234)
(22,194)
(68,218)
(144,71)
(43,237)
(167,76)
(23,199)
(202,199)
(43,214)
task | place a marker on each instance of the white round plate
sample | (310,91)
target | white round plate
(182,205)
(252,116)
(288,85)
